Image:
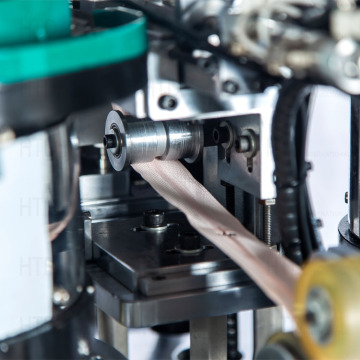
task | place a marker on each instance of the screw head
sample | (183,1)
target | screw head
(347,197)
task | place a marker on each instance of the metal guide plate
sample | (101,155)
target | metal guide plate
(149,261)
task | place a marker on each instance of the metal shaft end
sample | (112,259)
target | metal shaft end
(110,141)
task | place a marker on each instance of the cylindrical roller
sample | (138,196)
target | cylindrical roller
(327,309)
(130,140)
(184,140)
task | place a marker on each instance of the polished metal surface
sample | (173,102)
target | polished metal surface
(164,78)
(65,168)
(152,263)
(208,338)
(112,333)
(135,310)
(88,128)
(140,140)
(124,206)
(267,322)
(201,86)
(147,344)
(104,186)
(64,223)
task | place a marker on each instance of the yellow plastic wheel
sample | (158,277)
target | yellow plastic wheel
(327,309)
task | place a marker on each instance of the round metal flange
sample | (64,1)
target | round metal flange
(345,233)
(115,125)
(253,143)
(230,137)
(198,141)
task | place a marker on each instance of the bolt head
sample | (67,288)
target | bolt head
(153,218)
(189,240)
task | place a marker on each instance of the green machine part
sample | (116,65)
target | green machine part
(36,41)
(30,21)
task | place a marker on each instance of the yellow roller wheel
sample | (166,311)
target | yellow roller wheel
(327,309)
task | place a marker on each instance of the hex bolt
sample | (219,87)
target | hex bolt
(168,102)
(189,241)
(110,141)
(153,219)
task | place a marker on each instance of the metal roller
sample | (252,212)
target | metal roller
(129,140)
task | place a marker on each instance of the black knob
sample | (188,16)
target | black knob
(153,218)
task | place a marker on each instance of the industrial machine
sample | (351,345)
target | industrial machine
(90,251)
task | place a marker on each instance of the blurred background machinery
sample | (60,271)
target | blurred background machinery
(95,264)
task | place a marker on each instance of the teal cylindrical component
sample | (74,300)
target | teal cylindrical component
(31,21)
